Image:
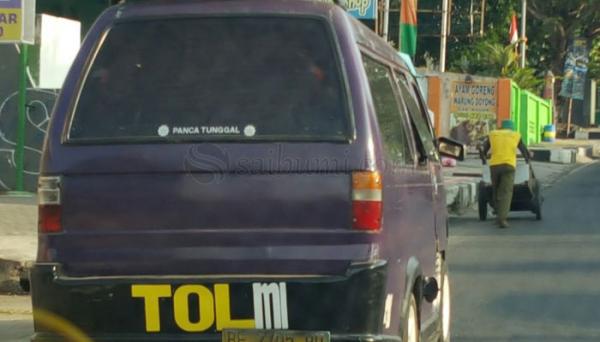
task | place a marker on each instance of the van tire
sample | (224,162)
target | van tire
(411,324)
(445,305)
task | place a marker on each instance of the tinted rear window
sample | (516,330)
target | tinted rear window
(255,78)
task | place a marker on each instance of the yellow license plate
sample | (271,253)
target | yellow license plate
(250,335)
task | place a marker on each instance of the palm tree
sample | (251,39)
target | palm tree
(497,60)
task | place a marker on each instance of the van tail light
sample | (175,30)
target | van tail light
(366,201)
(49,205)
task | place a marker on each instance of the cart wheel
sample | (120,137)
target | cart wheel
(537,201)
(482,201)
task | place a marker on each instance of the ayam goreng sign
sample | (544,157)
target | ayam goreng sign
(17,21)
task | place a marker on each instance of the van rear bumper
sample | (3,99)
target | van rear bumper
(112,309)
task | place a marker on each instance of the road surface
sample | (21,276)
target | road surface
(536,281)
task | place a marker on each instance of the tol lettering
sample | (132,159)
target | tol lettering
(214,307)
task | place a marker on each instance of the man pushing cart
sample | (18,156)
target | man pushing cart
(507,193)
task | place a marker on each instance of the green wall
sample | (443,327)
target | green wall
(530,113)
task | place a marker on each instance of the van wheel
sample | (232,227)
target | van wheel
(412,321)
(445,301)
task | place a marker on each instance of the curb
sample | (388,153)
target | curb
(559,155)
(14,277)
(565,155)
(461,196)
(583,135)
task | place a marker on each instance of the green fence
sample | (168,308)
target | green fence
(530,114)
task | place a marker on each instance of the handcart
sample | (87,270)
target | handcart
(526,191)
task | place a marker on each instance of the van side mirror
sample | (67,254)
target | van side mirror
(451,148)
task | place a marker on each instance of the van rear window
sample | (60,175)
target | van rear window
(214,78)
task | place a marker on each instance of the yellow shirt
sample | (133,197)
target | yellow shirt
(503,146)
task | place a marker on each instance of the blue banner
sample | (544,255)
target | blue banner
(576,67)
(362,9)
(10,3)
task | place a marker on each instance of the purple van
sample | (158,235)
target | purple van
(242,171)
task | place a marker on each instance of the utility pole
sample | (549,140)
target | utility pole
(523,33)
(444,35)
(482,22)
(471,19)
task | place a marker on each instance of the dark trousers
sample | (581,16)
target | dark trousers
(503,177)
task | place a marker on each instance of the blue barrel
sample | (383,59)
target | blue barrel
(549,133)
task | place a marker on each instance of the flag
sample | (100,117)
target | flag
(408,27)
(513,33)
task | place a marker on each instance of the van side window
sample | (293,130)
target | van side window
(413,86)
(417,117)
(389,117)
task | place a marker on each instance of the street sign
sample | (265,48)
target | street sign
(473,97)
(576,67)
(59,40)
(362,9)
(17,21)
(473,108)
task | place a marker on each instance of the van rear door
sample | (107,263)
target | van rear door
(208,139)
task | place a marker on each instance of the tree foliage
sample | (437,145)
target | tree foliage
(550,26)
(553,24)
(460,41)
(594,67)
(498,60)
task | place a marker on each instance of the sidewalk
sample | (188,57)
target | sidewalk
(566,151)
(15,306)
(16,323)
(18,240)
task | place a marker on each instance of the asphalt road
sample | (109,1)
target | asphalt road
(537,280)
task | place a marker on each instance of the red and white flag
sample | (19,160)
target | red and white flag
(513,34)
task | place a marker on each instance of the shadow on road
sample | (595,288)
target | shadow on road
(573,310)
